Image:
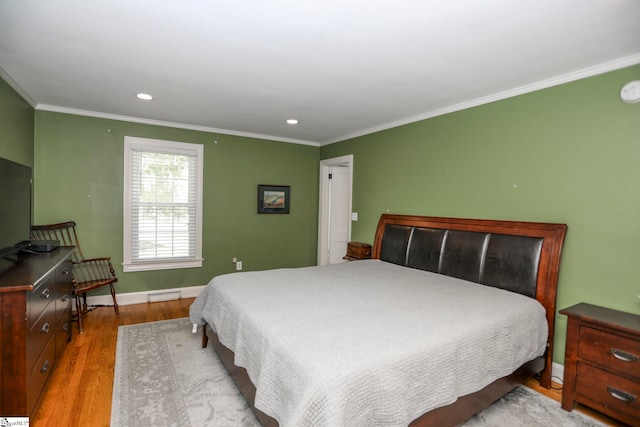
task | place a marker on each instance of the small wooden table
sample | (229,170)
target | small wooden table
(602,361)
(357,250)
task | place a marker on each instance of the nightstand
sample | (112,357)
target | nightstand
(357,250)
(602,366)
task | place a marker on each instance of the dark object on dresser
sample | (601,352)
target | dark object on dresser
(44,245)
(88,274)
(35,299)
(357,250)
(602,361)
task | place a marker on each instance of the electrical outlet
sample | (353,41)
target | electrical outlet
(238,265)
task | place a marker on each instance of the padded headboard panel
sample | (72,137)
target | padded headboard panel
(499,260)
(522,257)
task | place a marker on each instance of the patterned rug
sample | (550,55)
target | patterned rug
(164,378)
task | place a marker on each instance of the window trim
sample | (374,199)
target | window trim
(131,143)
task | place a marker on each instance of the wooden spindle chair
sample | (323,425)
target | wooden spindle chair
(88,274)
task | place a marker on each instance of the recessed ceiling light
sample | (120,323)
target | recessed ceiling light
(144,96)
(292,121)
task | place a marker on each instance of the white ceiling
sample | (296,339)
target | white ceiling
(342,67)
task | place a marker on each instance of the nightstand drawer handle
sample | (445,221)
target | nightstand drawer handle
(621,395)
(623,355)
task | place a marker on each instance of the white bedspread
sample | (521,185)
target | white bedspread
(367,343)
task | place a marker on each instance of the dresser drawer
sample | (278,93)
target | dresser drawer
(63,273)
(609,393)
(63,303)
(610,350)
(39,335)
(38,375)
(40,297)
(63,333)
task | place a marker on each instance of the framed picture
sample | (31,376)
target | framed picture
(274,199)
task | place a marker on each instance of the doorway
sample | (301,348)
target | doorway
(334,223)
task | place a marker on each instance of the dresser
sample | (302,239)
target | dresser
(602,361)
(35,298)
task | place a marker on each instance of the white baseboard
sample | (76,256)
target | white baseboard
(146,296)
(557,372)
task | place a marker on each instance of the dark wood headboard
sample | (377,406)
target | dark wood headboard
(522,257)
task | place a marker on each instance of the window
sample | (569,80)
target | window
(162,204)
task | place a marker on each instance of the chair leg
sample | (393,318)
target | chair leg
(79,314)
(115,303)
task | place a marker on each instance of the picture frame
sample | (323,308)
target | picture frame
(274,199)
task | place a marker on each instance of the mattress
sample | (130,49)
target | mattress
(367,343)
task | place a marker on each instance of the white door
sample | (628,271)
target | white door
(339,213)
(334,218)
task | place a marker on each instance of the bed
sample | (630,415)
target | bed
(448,316)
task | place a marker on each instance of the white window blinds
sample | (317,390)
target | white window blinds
(162,204)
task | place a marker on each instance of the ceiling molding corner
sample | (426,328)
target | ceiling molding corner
(15,86)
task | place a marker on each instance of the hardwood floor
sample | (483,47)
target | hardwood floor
(79,391)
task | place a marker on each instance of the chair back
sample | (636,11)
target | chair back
(65,232)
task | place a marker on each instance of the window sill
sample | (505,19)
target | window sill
(162,265)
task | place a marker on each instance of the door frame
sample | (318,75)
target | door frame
(324,205)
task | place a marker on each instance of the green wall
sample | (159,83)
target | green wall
(568,154)
(565,154)
(78,175)
(16,122)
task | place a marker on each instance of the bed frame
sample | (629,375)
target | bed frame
(522,257)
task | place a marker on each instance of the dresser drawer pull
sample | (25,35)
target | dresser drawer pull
(621,395)
(45,294)
(65,298)
(65,328)
(45,328)
(45,367)
(623,355)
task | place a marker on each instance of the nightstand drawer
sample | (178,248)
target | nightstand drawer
(608,393)
(610,350)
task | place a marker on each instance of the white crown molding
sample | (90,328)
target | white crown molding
(97,114)
(543,84)
(15,86)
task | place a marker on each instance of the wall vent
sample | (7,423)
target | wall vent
(164,296)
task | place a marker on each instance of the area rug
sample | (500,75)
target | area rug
(164,378)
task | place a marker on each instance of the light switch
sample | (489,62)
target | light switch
(354,216)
